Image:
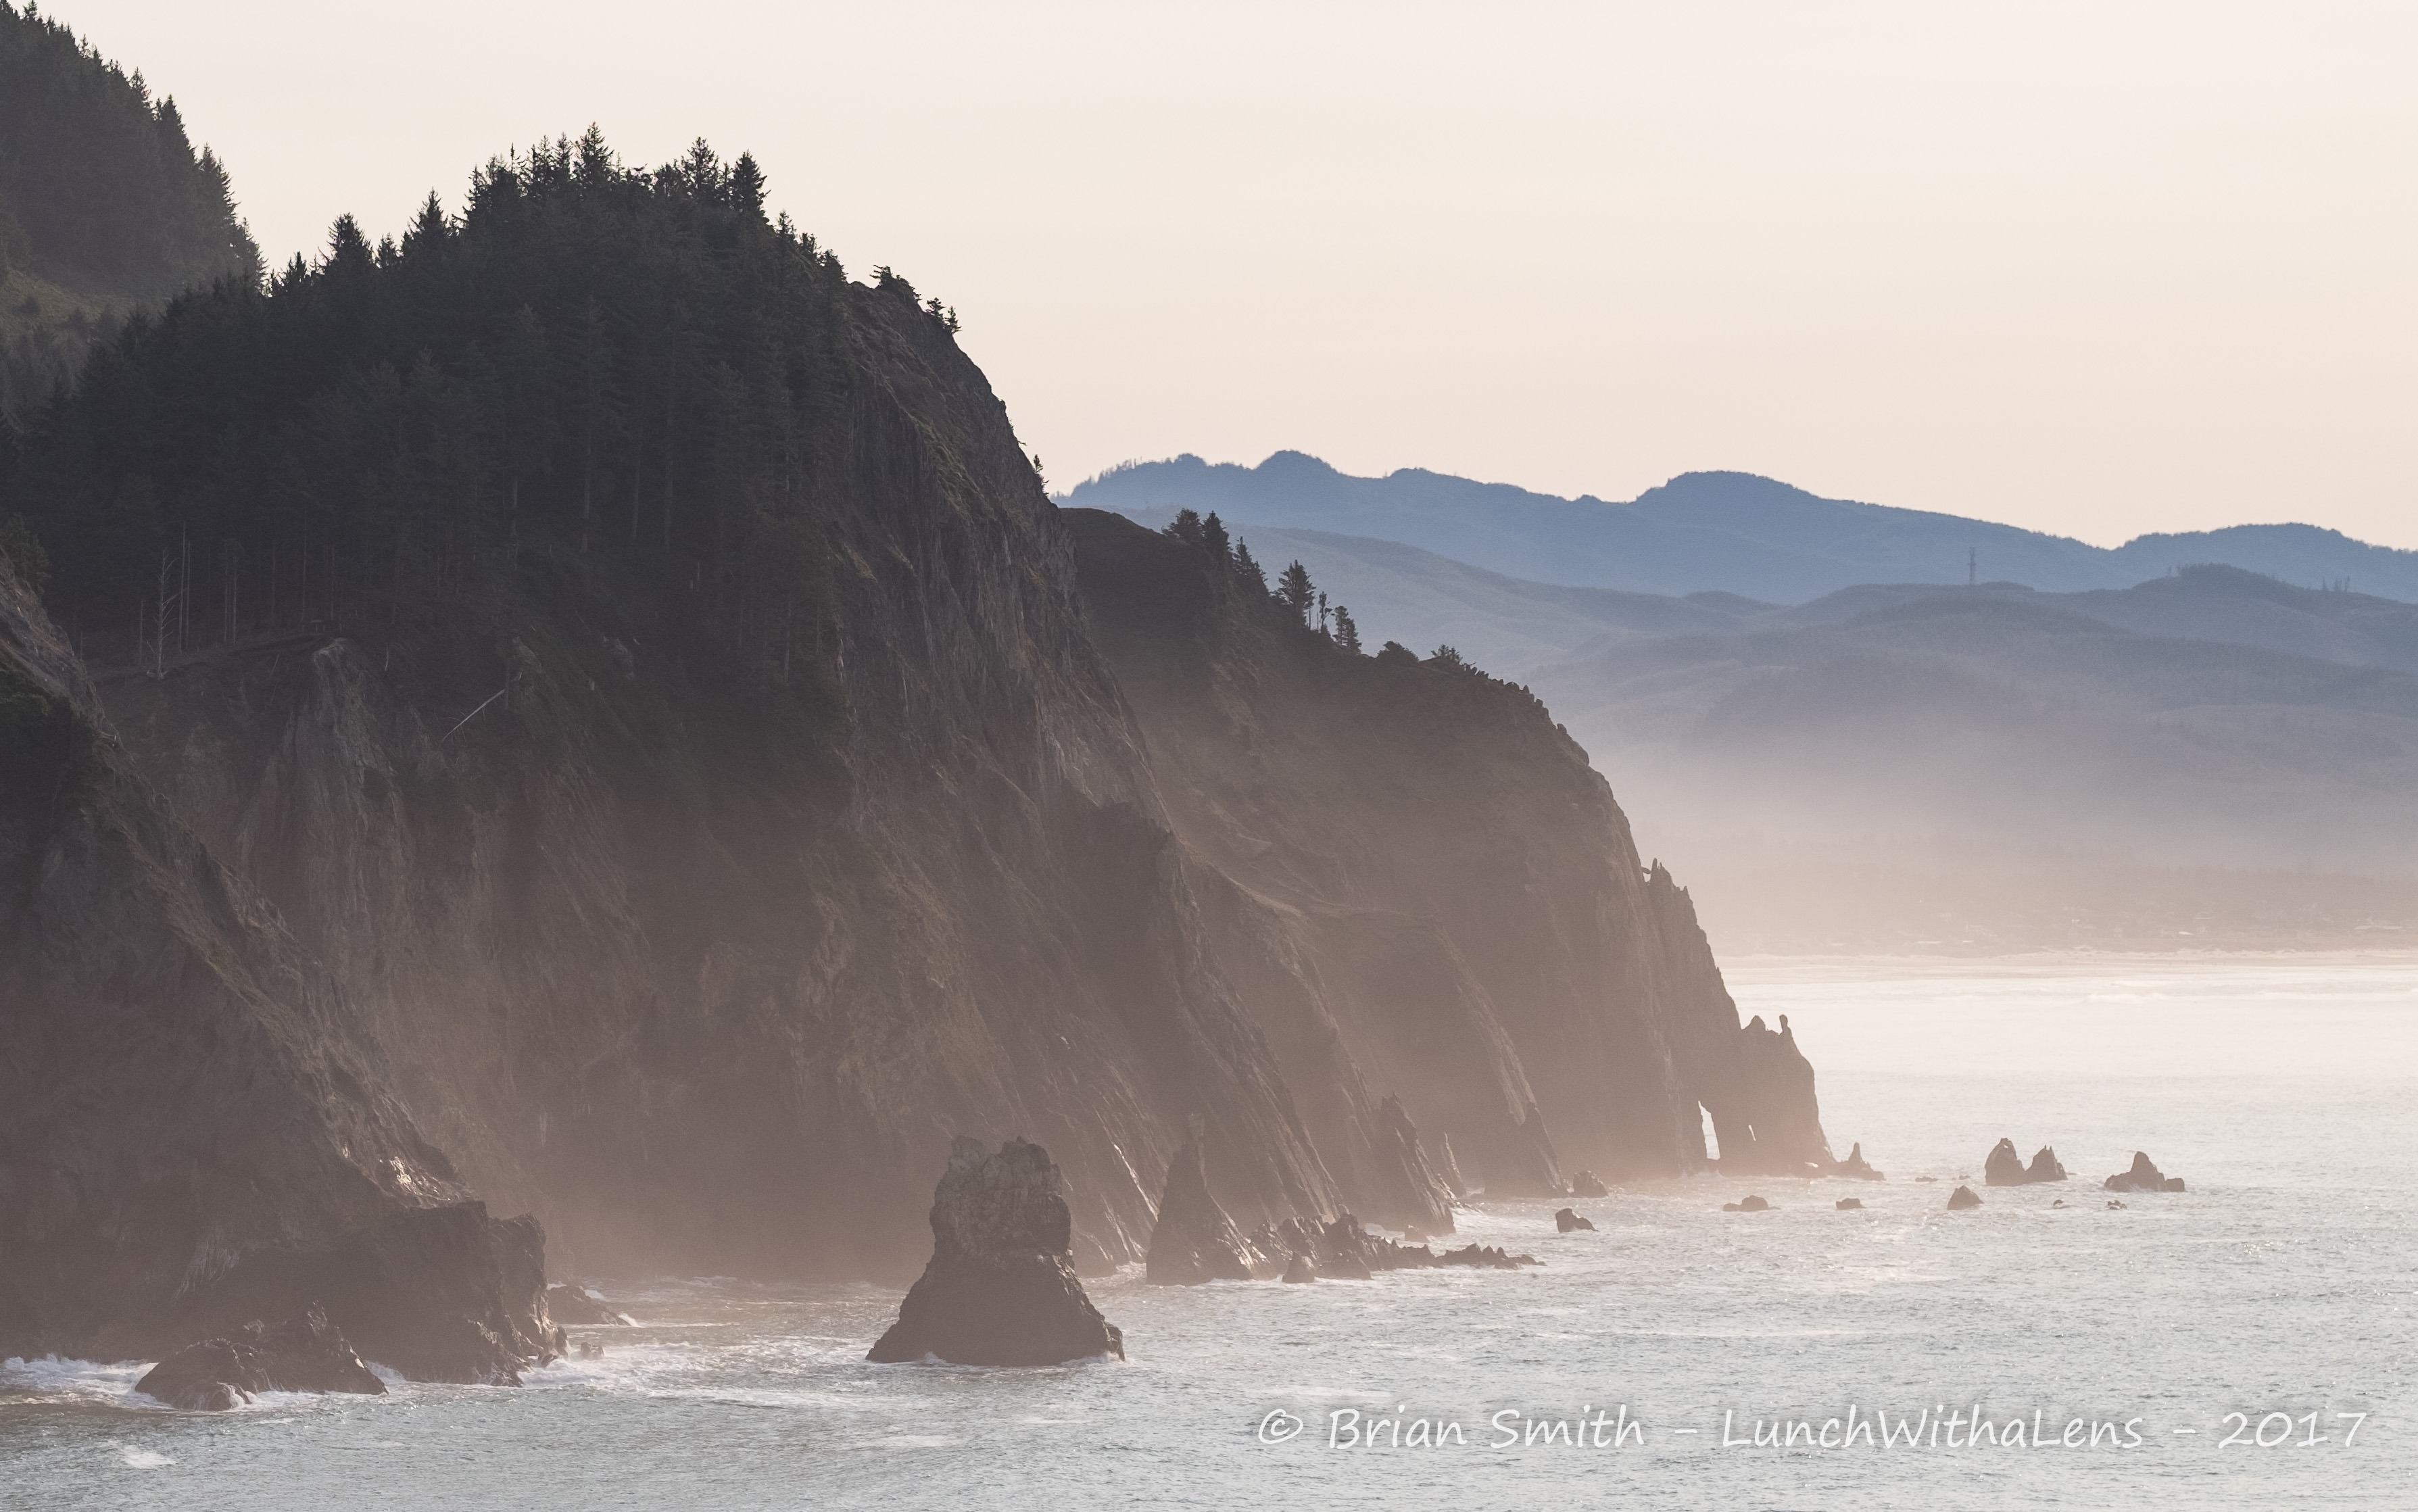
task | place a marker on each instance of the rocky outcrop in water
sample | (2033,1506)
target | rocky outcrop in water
(302,1353)
(1962,1199)
(1565,1221)
(1746,1204)
(195,1129)
(2143,1176)
(1849,1204)
(1856,1167)
(1585,1184)
(2004,1168)
(1194,1240)
(1001,1288)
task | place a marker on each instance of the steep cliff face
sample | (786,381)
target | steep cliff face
(711,980)
(192,1122)
(1442,870)
(669,722)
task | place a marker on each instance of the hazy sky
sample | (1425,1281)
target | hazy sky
(2093,268)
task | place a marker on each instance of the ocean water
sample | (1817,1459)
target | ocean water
(2249,1342)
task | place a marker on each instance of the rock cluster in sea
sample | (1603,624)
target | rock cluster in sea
(2004,1168)
(305,1353)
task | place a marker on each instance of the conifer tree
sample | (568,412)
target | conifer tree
(1294,590)
(1347,634)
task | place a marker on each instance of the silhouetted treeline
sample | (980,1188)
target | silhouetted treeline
(102,198)
(1231,562)
(596,374)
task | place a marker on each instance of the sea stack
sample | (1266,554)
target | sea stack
(1567,1221)
(1963,1198)
(1001,1288)
(1856,1167)
(2144,1176)
(1194,1240)
(2004,1168)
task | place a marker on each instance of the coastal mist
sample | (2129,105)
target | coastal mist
(611,896)
(2277,1283)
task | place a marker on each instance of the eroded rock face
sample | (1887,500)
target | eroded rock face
(1963,1198)
(2144,1176)
(197,1130)
(1001,1288)
(304,1353)
(1194,1240)
(2004,1168)
(442,1293)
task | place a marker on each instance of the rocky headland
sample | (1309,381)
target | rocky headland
(688,872)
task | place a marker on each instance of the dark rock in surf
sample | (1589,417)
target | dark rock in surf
(1299,1271)
(1001,1288)
(1849,1204)
(1567,1221)
(1963,1198)
(1750,1204)
(302,1353)
(1194,1240)
(1586,1184)
(1855,1168)
(2004,1168)
(2144,1176)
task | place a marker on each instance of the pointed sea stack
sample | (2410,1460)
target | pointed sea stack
(1001,1288)
(1856,1167)
(1963,1198)
(2144,1176)
(2004,1168)
(1194,1240)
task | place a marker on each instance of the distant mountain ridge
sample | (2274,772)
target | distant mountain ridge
(1714,531)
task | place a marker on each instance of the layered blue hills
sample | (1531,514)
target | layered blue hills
(1728,532)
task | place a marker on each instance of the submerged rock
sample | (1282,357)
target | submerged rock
(1963,1198)
(1001,1288)
(1848,1204)
(2144,1176)
(302,1353)
(1565,1221)
(1586,1184)
(1194,1240)
(2004,1168)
